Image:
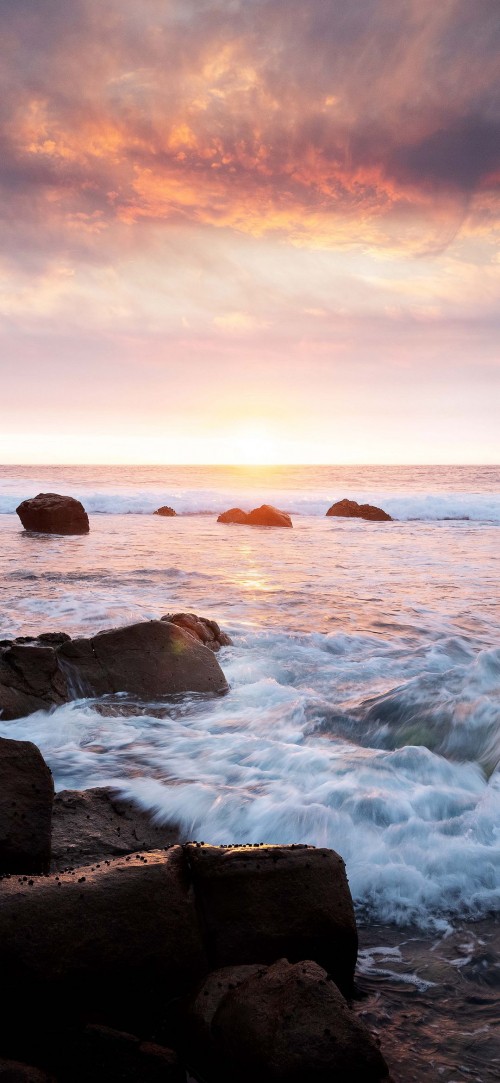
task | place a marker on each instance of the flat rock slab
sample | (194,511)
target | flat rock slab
(90,825)
(287,1023)
(26,798)
(259,904)
(111,938)
(52,513)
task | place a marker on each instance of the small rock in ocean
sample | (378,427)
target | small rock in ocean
(51,513)
(165,511)
(266,515)
(350,509)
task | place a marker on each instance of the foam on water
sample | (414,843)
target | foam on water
(364,708)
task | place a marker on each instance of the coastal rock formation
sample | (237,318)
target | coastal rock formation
(350,509)
(266,515)
(51,513)
(165,511)
(151,660)
(11,1071)
(90,825)
(26,797)
(286,1022)
(261,903)
(104,1055)
(207,631)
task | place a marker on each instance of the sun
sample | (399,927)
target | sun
(254,445)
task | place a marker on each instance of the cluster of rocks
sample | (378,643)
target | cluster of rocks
(138,963)
(150,660)
(50,513)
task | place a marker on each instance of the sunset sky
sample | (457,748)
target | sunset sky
(250,230)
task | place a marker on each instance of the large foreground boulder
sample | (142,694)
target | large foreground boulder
(112,938)
(286,1023)
(260,903)
(26,797)
(51,513)
(350,509)
(266,515)
(150,660)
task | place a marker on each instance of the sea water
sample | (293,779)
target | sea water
(364,703)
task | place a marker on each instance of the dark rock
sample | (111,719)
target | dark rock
(207,631)
(112,939)
(151,659)
(258,904)
(285,1023)
(266,515)
(12,1071)
(90,825)
(350,509)
(234,515)
(104,1055)
(26,796)
(165,511)
(51,513)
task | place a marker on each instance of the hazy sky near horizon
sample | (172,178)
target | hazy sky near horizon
(239,230)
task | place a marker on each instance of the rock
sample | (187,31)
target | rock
(286,1023)
(113,939)
(207,631)
(151,660)
(266,515)
(26,796)
(104,1055)
(90,825)
(50,513)
(12,1071)
(350,509)
(234,515)
(261,903)
(165,511)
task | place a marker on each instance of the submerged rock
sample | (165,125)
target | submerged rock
(260,903)
(26,797)
(165,511)
(51,513)
(151,660)
(266,515)
(286,1023)
(350,509)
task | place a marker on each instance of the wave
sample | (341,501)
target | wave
(426,507)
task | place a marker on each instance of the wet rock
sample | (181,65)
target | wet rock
(266,515)
(112,939)
(350,509)
(165,511)
(30,678)
(207,631)
(258,904)
(103,1055)
(12,1071)
(285,1023)
(151,659)
(51,513)
(26,796)
(90,825)
(234,515)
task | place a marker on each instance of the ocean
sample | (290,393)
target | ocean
(364,704)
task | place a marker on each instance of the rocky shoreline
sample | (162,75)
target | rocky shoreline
(142,957)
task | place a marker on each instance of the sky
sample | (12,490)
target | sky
(249,231)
